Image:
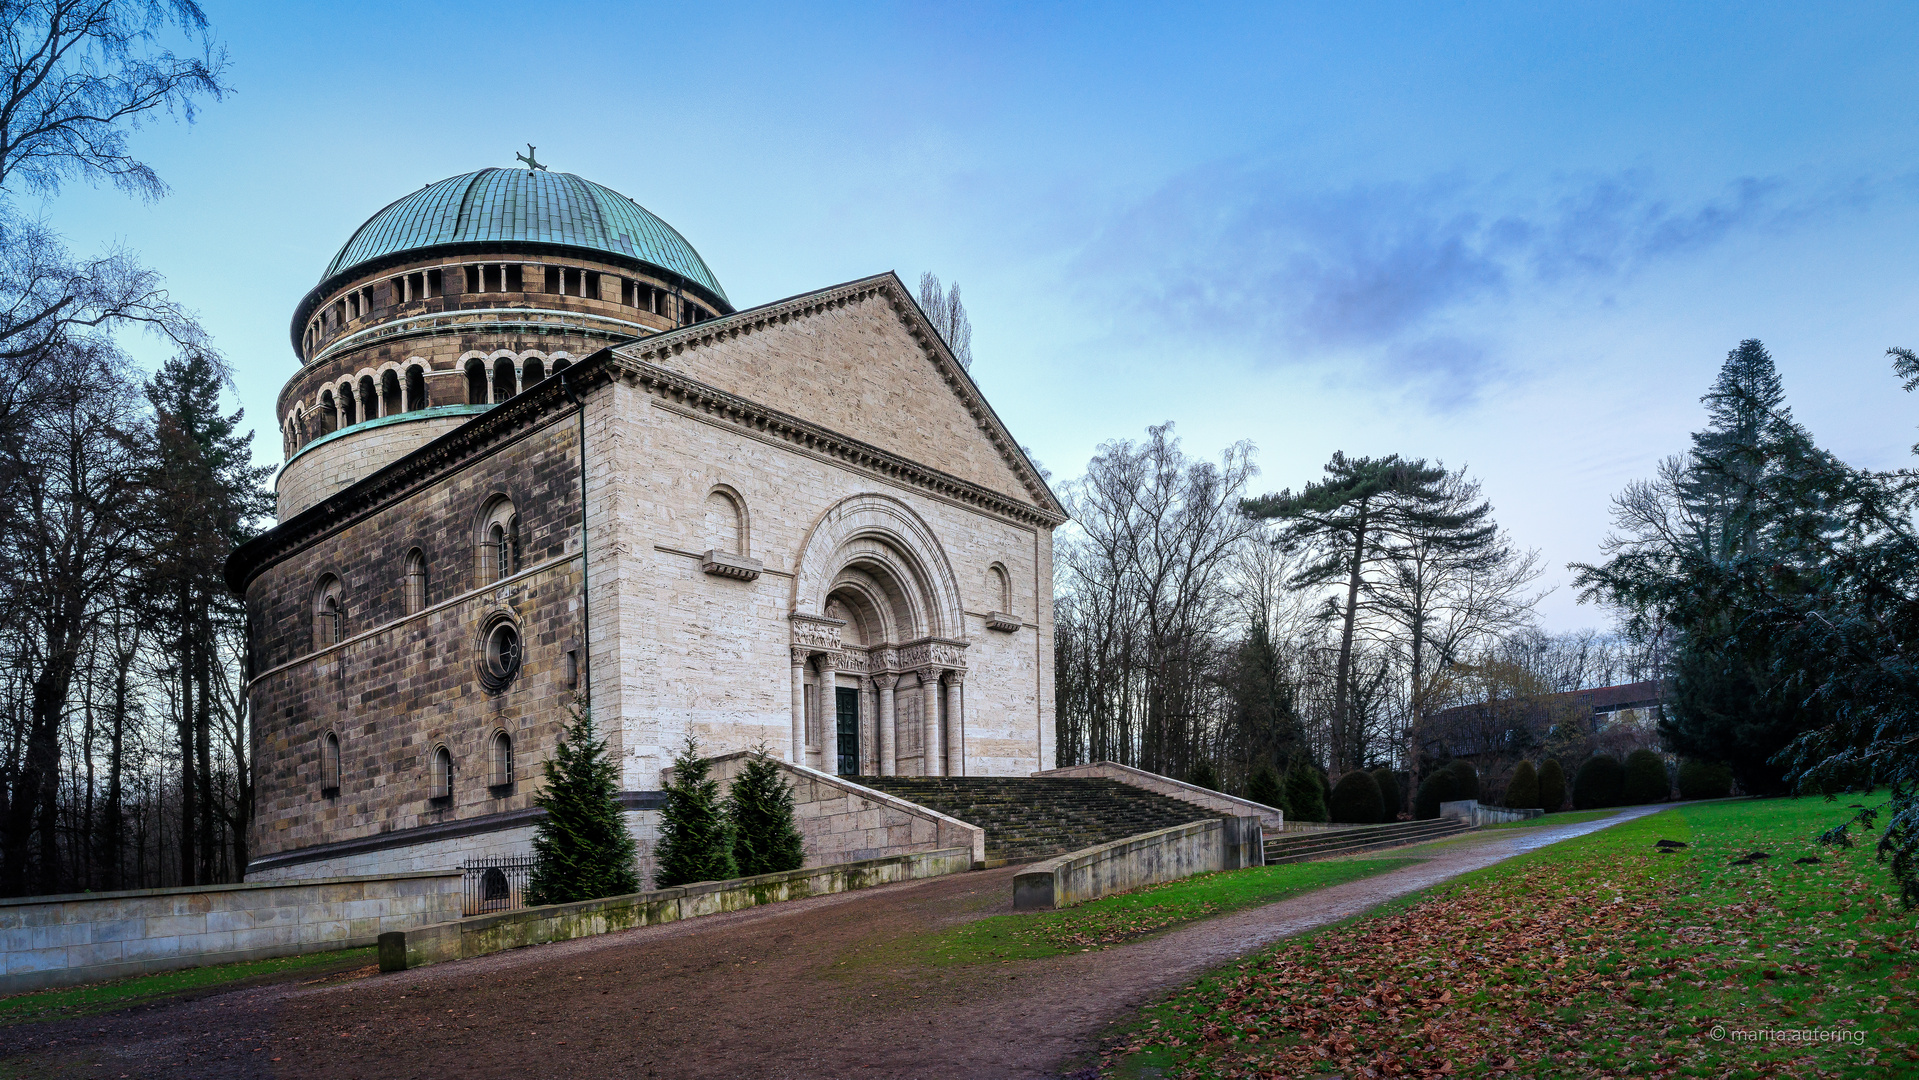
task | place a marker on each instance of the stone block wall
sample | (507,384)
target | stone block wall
(1272,818)
(90,937)
(1202,847)
(842,822)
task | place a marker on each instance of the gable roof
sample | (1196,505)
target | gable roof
(672,348)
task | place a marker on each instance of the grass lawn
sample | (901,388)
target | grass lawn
(1112,920)
(176,985)
(1596,956)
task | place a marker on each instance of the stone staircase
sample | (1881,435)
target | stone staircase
(1030,818)
(1318,844)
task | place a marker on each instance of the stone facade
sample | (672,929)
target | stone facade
(803,528)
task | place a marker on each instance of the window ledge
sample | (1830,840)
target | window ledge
(728,565)
(501,791)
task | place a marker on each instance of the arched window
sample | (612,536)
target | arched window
(415,580)
(347,411)
(415,387)
(390,403)
(503,384)
(534,371)
(725,522)
(440,778)
(999,586)
(329,613)
(369,398)
(330,765)
(500,763)
(498,540)
(561,365)
(476,381)
(329,416)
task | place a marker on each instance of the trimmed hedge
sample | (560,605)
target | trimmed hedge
(1552,786)
(1600,782)
(1391,798)
(1522,791)
(1465,779)
(1704,779)
(1441,786)
(1646,778)
(1356,799)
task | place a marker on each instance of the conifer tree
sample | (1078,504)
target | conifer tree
(1305,792)
(1204,775)
(584,849)
(765,838)
(1265,789)
(696,839)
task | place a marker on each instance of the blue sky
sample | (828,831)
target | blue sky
(1516,240)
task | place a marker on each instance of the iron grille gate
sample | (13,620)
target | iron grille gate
(497,884)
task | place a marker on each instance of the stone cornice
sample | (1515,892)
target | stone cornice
(698,397)
(655,348)
(538,404)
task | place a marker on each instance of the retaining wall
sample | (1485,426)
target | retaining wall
(1147,859)
(49,941)
(1470,812)
(842,822)
(461,938)
(1270,817)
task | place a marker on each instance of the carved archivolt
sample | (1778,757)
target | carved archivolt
(883,532)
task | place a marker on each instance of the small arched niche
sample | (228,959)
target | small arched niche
(497,540)
(329,612)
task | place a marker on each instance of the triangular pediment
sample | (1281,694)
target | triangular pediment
(860,360)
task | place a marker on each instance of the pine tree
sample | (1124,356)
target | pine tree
(1305,792)
(760,804)
(1265,789)
(584,849)
(696,839)
(1204,775)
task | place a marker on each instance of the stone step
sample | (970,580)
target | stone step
(1361,838)
(1026,818)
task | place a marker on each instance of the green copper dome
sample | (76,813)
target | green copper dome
(524,206)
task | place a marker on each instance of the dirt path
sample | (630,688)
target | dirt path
(781,991)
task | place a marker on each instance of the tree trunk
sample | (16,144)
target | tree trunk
(189,783)
(203,739)
(1341,699)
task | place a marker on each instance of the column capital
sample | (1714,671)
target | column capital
(885,680)
(955,676)
(801,655)
(929,673)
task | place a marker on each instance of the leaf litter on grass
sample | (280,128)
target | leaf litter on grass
(1595,958)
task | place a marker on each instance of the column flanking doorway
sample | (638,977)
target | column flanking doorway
(847,705)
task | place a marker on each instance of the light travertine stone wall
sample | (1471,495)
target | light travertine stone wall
(840,821)
(83,938)
(514,842)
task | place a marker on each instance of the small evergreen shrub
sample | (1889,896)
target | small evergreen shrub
(1265,788)
(1704,779)
(1645,778)
(584,849)
(1552,786)
(1465,779)
(1522,791)
(1440,786)
(1305,792)
(1204,775)
(1391,799)
(1356,799)
(760,804)
(696,840)
(1600,782)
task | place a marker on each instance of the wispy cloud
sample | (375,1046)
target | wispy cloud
(1413,276)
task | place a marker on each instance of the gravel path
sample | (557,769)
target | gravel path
(788,990)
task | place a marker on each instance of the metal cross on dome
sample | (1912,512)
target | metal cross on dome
(528,157)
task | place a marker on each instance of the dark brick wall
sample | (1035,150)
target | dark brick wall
(413,683)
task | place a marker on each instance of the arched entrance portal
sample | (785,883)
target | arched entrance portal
(878,646)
